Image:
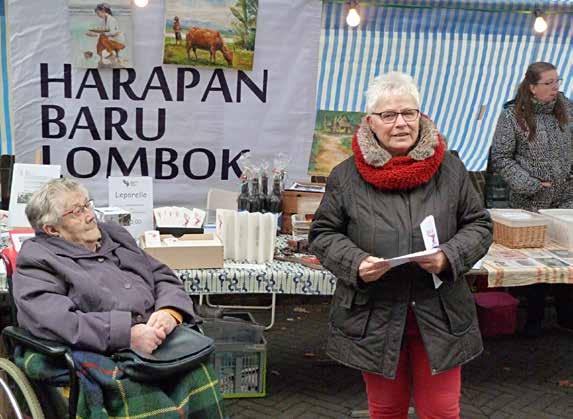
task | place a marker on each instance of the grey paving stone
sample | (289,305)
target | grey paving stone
(515,378)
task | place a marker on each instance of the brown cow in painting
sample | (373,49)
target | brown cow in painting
(209,40)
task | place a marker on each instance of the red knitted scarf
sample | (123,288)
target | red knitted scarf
(400,173)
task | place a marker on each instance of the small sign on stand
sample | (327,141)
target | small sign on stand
(134,194)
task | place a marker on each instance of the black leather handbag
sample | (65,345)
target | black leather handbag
(183,350)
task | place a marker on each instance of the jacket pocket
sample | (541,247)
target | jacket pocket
(459,306)
(350,313)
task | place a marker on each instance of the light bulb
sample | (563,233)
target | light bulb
(540,24)
(353,18)
(141,3)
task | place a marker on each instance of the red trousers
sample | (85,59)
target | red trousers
(435,396)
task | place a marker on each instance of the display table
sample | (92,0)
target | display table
(504,267)
(517,267)
(273,277)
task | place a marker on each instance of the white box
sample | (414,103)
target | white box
(518,218)
(300,225)
(190,251)
(561,226)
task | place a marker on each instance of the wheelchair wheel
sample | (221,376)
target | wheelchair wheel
(18,390)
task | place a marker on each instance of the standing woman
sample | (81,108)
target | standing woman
(532,151)
(404,333)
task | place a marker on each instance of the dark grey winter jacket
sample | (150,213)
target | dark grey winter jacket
(367,321)
(89,299)
(524,164)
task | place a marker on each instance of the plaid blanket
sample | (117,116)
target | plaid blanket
(105,392)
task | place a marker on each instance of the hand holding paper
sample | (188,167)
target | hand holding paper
(435,263)
(411,257)
(372,268)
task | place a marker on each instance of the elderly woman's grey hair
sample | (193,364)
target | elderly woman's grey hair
(390,85)
(47,203)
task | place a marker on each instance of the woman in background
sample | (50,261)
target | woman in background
(532,151)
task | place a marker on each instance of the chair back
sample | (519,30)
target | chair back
(222,199)
(496,189)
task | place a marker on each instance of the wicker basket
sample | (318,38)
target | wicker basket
(518,229)
(519,237)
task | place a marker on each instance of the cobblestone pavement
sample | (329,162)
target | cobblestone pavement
(515,377)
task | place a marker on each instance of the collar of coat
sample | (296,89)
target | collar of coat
(377,166)
(110,240)
(544,107)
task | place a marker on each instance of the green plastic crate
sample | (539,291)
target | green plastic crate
(241,367)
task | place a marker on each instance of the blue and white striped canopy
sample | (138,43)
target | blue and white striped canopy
(467,57)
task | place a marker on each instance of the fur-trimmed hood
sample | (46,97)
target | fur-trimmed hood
(377,156)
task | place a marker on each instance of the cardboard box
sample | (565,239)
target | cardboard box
(296,202)
(190,252)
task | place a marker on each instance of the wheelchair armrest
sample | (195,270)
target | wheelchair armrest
(44,346)
(16,335)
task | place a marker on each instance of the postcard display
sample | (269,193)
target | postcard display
(247,236)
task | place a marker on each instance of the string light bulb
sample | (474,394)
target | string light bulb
(353,18)
(141,3)
(540,25)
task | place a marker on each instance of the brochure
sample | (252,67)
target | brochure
(412,257)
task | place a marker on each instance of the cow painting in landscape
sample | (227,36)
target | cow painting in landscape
(212,33)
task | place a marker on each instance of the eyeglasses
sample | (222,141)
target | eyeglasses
(409,115)
(551,82)
(79,210)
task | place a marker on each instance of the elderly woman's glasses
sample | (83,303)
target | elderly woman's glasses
(389,117)
(80,210)
(551,83)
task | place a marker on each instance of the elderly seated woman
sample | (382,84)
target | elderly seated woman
(89,285)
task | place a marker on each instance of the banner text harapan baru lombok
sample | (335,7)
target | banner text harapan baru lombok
(59,125)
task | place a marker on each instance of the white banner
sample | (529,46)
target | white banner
(183,126)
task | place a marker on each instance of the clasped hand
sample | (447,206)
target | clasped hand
(147,337)
(373,268)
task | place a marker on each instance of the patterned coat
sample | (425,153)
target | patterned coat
(524,164)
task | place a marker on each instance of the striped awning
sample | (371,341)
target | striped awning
(466,59)
(552,6)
